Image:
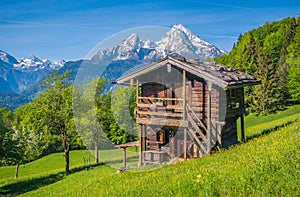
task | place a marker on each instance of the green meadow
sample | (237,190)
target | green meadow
(267,164)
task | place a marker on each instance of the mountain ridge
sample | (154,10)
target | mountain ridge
(24,74)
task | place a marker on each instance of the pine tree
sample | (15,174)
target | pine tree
(283,68)
(266,98)
(293,61)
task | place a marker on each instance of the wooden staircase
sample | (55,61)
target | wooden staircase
(197,131)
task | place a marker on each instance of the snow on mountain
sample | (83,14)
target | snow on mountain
(178,40)
(19,74)
(182,41)
(5,57)
(33,63)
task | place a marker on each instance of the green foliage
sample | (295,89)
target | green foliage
(293,60)
(123,104)
(7,143)
(47,123)
(271,53)
(266,97)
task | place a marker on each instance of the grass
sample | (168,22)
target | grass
(265,166)
(262,166)
(50,169)
(257,125)
(254,119)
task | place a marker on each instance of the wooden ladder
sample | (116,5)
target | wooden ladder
(197,131)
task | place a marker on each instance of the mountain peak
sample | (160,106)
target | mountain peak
(178,40)
(132,42)
(180,27)
(184,42)
(33,58)
(5,57)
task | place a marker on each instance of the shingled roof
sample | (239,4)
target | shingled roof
(215,73)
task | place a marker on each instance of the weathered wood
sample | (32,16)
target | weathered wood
(150,113)
(161,98)
(209,85)
(159,121)
(242,128)
(147,106)
(137,91)
(196,117)
(185,143)
(184,93)
(191,105)
(142,143)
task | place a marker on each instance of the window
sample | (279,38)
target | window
(232,93)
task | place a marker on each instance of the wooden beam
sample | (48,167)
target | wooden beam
(161,98)
(184,93)
(159,121)
(137,91)
(142,144)
(209,87)
(140,164)
(242,128)
(146,105)
(131,82)
(185,143)
(152,113)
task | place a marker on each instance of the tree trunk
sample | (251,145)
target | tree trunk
(96,153)
(17,171)
(66,148)
(96,147)
(67,156)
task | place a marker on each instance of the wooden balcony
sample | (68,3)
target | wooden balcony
(160,111)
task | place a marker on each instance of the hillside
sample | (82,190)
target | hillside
(264,166)
(271,53)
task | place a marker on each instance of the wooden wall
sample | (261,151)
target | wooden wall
(226,105)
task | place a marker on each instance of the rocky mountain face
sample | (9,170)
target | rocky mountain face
(19,74)
(178,40)
(23,75)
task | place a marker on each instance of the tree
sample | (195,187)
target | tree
(57,114)
(277,44)
(266,97)
(123,103)
(11,144)
(93,114)
(293,61)
(6,138)
(50,115)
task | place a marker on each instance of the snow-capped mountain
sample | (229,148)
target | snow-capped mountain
(33,63)
(6,58)
(19,74)
(182,41)
(178,40)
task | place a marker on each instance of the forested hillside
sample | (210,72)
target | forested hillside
(271,53)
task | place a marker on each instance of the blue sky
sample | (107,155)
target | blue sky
(61,29)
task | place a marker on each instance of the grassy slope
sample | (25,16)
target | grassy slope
(256,125)
(48,170)
(265,166)
(253,119)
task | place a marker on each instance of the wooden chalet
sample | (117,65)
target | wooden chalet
(187,108)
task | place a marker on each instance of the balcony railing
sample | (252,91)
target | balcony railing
(160,111)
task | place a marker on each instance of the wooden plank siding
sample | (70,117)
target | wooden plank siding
(170,86)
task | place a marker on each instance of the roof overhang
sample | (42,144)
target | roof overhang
(185,66)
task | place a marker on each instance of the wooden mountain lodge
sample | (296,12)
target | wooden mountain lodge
(187,108)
